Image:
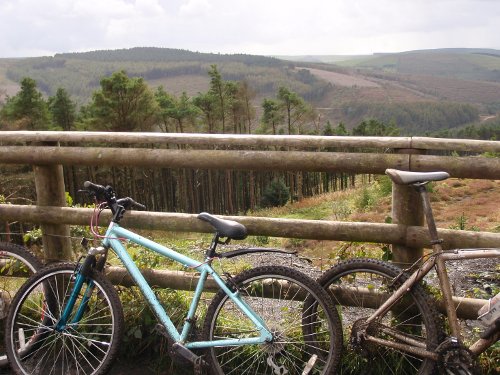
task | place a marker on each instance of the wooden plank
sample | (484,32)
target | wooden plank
(461,167)
(447,144)
(376,163)
(411,236)
(467,308)
(406,211)
(205,159)
(302,141)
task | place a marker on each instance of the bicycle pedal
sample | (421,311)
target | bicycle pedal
(490,312)
(184,353)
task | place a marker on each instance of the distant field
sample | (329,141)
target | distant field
(191,84)
(329,59)
(462,64)
(341,79)
(457,90)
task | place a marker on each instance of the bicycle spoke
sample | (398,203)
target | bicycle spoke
(299,331)
(82,347)
(359,287)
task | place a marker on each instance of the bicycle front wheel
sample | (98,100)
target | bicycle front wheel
(38,343)
(277,295)
(359,287)
(17,264)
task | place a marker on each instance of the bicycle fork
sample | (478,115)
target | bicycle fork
(81,275)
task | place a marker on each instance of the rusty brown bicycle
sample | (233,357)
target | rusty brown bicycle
(390,316)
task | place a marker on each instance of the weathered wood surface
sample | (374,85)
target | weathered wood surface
(50,191)
(178,280)
(204,159)
(300,141)
(410,236)
(467,308)
(463,167)
(406,212)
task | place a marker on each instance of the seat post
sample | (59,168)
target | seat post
(444,281)
(213,246)
(429,215)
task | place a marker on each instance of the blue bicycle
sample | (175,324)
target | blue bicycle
(68,318)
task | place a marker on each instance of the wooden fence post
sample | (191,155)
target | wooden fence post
(406,211)
(49,184)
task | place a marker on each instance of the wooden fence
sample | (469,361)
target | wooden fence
(48,152)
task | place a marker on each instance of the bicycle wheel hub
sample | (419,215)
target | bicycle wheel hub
(357,340)
(278,343)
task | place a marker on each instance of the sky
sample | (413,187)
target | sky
(260,27)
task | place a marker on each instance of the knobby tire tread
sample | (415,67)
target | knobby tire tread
(423,300)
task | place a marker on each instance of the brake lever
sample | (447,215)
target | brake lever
(129,204)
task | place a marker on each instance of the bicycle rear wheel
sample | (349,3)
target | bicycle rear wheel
(278,295)
(359,287)
(84,345)
(17,264)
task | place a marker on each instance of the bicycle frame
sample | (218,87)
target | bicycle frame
(437,259)
(113,237)
(415,347)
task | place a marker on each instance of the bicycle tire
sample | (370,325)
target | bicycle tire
(88,346)
(413,315)
(284,316)
(12,276)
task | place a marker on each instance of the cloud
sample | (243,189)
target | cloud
(34,27)
(194,8)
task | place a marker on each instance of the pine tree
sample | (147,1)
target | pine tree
(27,109)
(124,104)
(62,109)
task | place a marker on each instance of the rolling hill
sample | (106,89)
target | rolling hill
(176,70)
(343,88)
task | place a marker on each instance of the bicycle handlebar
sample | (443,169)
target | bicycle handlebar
(130,203)
(107,194)
(99,190)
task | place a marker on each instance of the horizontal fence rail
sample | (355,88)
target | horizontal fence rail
(466,308)
(463,167)
(299,141)
(411,236)
(48,151)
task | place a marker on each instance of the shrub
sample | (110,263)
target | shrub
(276,194)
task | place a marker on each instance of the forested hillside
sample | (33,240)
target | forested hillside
(420,91)
(80,73)
(444,75)
(467,64)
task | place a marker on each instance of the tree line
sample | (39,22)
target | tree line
(127,103)
(415,117)
(80,73)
